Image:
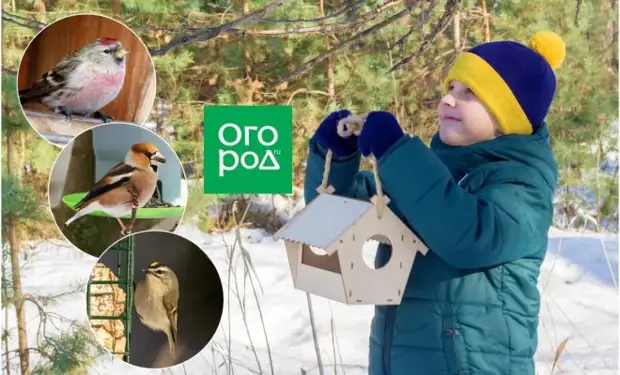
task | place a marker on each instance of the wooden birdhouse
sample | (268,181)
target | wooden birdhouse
(340,226)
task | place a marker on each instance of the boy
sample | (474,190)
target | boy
(481,200)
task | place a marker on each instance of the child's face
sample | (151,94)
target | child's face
(463,119)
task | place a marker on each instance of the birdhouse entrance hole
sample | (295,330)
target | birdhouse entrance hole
(318,250)
(370,249)
(316,257)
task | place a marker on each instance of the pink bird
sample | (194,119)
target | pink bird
(82,82)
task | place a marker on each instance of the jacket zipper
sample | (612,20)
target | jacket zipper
(387,339)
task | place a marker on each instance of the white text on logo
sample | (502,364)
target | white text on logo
(248,159)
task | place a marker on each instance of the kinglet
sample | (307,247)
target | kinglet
(156,298)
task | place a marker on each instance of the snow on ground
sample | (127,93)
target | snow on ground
(580,301)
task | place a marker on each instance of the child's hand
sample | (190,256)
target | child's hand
(327,135)
(381,130)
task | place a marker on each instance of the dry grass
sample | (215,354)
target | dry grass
(243,283)
(225,221)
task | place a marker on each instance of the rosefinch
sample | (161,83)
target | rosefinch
(128,185)
(83,82)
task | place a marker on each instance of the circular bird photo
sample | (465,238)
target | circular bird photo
(81,71)
(113,180)
(154,299)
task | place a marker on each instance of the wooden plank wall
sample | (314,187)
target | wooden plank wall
(136,99)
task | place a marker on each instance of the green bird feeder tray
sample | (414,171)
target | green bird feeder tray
(143,213)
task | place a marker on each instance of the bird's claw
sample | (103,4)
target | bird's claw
(65,112)
(103,117)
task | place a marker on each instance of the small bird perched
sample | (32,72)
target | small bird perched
(156,299)
(126,187)
(82,82)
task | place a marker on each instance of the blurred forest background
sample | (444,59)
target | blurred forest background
(319,56)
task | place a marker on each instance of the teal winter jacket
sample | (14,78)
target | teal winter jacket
(471,304)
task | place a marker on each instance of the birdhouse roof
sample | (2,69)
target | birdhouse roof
(324,220)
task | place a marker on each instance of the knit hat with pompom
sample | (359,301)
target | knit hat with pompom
(516,82)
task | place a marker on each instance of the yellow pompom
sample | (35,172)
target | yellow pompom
(550,46)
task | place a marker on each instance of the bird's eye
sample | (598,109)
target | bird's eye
(107,51)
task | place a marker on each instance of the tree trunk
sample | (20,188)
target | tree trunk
(249,89)
(485,17)
(18,295)
(40,6)
(246,50)
(394,85)
(116,6)
(331,91)
(5,340)
(611,36)
(456,31)
(22,157)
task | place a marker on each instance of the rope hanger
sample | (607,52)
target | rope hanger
(348,126)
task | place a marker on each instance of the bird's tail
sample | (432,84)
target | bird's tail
(84,211)
(172,342)
(28,96)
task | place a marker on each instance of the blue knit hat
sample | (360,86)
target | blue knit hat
(516,82)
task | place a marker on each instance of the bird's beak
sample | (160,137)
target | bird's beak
(158,157)
(121,52)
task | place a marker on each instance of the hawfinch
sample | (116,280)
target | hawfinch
(129,185)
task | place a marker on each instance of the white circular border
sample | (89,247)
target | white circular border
(63,18)
(114,358)
(49,203)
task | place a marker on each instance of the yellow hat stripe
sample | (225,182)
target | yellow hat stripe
(491,90)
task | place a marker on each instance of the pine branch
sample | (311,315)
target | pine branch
(441,24)
(419,25)
(213,32)
(226,11)
(326,28)
(22,21)
(19,18)
(202,33)
(305,67)
(578,4)
(335,14)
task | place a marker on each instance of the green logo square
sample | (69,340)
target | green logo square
(248,149)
